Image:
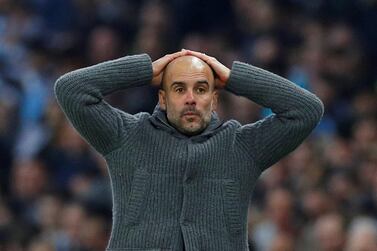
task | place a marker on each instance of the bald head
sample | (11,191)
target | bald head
(188,94)
(187,67)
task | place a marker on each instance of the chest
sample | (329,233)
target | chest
(160,153)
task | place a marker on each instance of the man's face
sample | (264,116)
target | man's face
(188,95)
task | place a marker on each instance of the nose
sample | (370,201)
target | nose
(190,99)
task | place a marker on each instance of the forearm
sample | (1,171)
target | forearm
(89,85)
(80,94)
(285,99)
(297,112)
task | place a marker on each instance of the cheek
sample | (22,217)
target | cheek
(206,104)
(173,107)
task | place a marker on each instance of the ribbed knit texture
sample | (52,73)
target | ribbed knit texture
(170,190)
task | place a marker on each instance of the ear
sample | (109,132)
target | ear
(162,99)
(215,97)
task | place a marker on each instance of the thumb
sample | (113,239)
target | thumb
(219,83)
(156,81)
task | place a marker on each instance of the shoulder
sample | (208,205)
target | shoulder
(136,118)
(230,127)
(130,123)
(231,124)
(241,130)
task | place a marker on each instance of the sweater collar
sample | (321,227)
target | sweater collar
(160,121)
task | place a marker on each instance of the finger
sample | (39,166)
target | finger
(221,70)
(162,62)
(211,61)
(200,55)
(177,54)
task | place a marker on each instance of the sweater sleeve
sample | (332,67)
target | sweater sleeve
(80,94)
(296,113)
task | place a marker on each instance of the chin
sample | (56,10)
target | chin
(192,130)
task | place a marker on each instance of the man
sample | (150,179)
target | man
(180,178)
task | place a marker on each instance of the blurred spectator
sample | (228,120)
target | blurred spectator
(72,219)
(362,235)
(329,233)
(283,242)
(97,234)
(68,155)
(41,246)
(104,44)
(28,183)
(279,211)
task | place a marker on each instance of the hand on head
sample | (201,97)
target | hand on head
(221,71)
(160,64)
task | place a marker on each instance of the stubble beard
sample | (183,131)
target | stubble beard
(188,126)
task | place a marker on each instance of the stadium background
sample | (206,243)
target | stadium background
(54,190)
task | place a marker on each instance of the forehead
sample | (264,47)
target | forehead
(188,69)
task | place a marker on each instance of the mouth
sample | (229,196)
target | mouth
(190,114)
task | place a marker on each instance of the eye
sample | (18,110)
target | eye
(179,90)
(201,90)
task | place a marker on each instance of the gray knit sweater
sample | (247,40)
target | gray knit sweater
(171,191)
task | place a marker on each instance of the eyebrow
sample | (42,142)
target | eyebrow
(177,83)
(203,82)
(183,83)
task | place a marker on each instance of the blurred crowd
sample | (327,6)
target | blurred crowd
(54,189)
